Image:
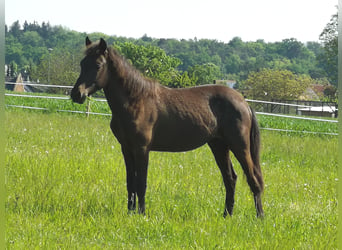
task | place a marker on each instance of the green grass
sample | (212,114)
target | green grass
(299,125)
(52,105)
(66,189)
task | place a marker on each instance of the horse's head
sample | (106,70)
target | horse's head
(93,71)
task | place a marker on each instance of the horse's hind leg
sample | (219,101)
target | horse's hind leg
(253,177)
(221,154)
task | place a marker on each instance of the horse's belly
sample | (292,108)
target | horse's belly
(178,140)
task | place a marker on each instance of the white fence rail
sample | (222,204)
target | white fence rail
(40,85)
(108,114)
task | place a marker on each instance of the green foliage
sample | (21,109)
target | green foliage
(205,73)
(328,59)
(12,69)
(270,84)
(298,127)
(65,181)
(14,50)
(30,45)
(184,80)
(176,63)
(151,61)
(59,67)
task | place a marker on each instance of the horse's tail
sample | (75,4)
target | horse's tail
(255,149)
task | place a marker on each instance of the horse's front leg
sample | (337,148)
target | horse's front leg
(141,159)
(136,170)
(131,176)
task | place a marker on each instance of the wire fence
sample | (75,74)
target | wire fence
(92,101)
(297,107)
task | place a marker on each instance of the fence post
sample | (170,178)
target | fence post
(88,107)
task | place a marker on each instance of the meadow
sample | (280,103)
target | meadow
(66,189)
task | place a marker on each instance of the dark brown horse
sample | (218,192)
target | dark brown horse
(148,116)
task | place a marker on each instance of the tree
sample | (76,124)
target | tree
(315,47)
(27,46)
(236,42)
(205,73)
(14,49)
(270,84)
(184,80)
(15,29)
(291,48)
(32,38)
(233,64)
(151,61)
(57,68)
(13,69)
(330,93)
(329,59)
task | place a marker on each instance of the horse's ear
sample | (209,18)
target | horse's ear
(88,42)
(102,46)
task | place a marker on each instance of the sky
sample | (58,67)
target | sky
(221,20)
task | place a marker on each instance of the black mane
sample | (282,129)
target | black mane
(136,84)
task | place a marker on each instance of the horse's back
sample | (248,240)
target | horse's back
(190,117)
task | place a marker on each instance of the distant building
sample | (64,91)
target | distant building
(16,86)
(229,83)
(323,111)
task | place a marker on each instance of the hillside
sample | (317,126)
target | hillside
(51,54)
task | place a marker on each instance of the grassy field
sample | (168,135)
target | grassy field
(52,105)
(66,189)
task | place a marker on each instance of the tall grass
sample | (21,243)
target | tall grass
(65,180)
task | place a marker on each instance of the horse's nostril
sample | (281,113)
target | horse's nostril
(77,96)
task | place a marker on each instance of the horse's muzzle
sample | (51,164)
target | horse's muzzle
(77,96)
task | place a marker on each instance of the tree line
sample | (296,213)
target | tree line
(51,54)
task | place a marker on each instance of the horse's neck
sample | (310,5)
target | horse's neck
(113,92)
(114,95)
(121,86)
